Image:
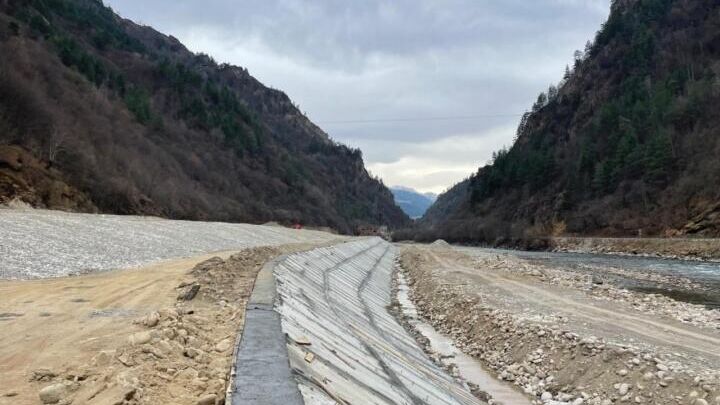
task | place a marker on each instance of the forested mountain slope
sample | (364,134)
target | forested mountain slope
(100,114)
(627,143)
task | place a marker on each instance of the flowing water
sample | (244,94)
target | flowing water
(470,370)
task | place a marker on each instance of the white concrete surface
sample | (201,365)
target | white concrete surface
(343,340)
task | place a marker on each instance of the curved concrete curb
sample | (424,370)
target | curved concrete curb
(261,371)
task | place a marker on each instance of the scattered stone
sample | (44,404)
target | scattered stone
(224,345)
(52,394)
(309,357)
(103,358)
(303,341)
(43,374)
(115,395)
(140,338)
(191,352)
(623,389)
(152,320)
(189,293)
(209,399)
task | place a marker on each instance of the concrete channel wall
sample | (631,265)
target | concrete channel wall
(343,344)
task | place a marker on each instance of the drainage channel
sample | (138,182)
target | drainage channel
(343,344)
(261,373)
(469,369)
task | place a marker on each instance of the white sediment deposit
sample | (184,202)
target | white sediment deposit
(40,243)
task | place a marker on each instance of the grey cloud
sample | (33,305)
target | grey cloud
(379,59)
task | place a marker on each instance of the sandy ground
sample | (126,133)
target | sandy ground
(558,342)
(125,336)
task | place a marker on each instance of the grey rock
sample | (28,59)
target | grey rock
(52,394)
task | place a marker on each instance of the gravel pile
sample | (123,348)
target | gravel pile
(41,244)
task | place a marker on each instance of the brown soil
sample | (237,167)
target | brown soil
(559,342)
(127,336)
(25,178)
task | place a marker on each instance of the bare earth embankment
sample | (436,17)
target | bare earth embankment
(127,336)
(564,340)
(161,332)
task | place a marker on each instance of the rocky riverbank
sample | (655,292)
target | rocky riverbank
(546,353)
(670,248)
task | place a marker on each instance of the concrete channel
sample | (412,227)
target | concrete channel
(343,345)
(261,372)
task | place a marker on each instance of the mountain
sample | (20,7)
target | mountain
(626,144)
(412,202)
(100,114)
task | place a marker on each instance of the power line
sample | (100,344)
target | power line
(418,119)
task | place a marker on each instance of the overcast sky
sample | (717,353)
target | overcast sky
(420,62)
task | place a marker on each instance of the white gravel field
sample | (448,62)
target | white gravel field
(42,244)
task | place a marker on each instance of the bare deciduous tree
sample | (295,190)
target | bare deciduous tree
(56,144)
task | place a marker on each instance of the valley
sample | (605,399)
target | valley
(175,230)
(402,323)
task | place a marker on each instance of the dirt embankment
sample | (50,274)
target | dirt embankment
(559,344)
(162,334)
(26,179)
(677,248)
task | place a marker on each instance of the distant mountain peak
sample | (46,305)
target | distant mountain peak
(412,202)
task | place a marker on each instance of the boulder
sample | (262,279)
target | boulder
(52,394)
(209,399)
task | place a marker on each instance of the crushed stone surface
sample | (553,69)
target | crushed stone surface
(42,243)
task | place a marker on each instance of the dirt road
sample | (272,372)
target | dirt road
(125,335)
(642,344)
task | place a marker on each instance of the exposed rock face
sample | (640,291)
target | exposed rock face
(27,179)
(707,223)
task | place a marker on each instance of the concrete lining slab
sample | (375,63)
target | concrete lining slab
(341,337)
(261,374)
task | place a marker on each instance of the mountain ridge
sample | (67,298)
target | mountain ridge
(140,125)
(624,145)
(412,202)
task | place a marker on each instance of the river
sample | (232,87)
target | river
(633,272)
